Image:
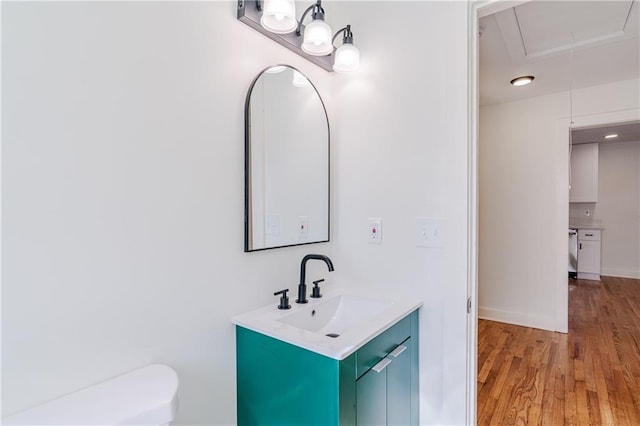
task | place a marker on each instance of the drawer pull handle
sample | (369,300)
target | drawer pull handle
(397,351)
(589,235)
(381,365)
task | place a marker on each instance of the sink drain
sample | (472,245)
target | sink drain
(334,335)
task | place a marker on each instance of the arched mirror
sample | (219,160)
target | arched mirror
(286,162)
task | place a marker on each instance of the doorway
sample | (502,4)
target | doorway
(538,231)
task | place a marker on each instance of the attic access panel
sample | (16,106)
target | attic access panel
(540,28)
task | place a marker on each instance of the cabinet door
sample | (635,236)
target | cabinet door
(584,173)
(589,257)
(399,385)
(371,396)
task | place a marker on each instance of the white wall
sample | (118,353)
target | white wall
(123,191)
(123,159)
(401,153)
(618,208)
(299,148)
(523,199)
(289,138)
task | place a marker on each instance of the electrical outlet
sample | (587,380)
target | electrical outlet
(375,230)
(303,228)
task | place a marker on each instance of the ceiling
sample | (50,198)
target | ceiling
(627,132)
(564,44)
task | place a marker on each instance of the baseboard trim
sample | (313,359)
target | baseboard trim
(588,276)
(620,273)
(517,318)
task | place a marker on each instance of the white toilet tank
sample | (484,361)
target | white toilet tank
(147,396)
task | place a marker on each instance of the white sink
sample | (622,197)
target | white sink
(337,315)
(335,325)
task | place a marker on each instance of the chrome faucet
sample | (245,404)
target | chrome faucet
(302,287)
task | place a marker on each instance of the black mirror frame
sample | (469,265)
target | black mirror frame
(247,167)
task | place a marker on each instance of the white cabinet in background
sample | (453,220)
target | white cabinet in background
(589,254)
(584,173)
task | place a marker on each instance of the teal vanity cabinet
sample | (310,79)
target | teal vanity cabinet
(283,384)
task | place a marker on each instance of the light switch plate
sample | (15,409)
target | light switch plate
(429,232)
(272,224)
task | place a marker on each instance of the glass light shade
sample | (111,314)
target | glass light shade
(300,80)
(275,69)
(347,58)
(279,16)
(317,38)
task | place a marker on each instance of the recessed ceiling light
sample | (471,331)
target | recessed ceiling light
(611,136)
(521,81)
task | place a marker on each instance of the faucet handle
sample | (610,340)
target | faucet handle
(315,291)
(284,299)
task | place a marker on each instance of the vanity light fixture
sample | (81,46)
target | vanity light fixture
(611,136)
(347,55)
(522,81)
(279,16)
(314,42)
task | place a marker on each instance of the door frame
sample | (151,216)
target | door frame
(476,10)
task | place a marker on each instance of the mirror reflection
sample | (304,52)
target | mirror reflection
(286,162)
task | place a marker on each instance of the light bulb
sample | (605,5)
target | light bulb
(279,16)
(347,58)
(317,38)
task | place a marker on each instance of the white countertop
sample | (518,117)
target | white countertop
(592,226)
(267,321)
(579,223)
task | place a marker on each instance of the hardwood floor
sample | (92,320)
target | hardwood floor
(590,376)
